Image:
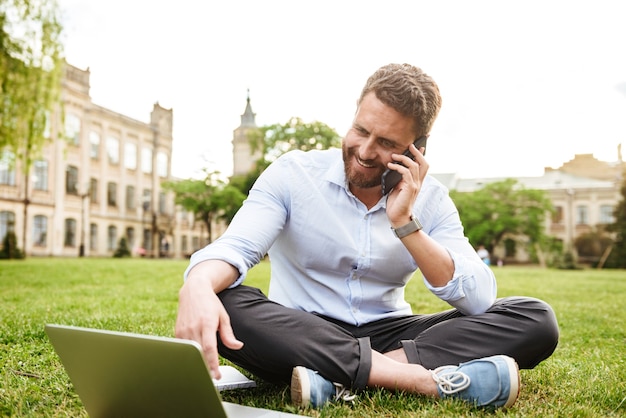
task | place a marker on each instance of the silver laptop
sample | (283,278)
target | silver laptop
(119,374)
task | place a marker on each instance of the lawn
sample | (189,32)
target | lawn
(586,377)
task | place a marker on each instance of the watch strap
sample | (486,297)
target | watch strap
(413,226)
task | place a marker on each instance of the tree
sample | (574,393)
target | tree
(209,199)
(9,247)
(212,199)
(617,256)
(503,209)
(295,134)
(278,139)
(122,249)
(30,73)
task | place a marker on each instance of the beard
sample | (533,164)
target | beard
(354,176)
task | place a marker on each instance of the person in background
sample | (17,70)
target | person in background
(335,320)
(483,254)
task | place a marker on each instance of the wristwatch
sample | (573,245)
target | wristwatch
(413,226)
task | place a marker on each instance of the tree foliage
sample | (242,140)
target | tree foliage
(9,247)
(210,199)
(617,256)
(295,134)
(503,210)
(278,139)
(122,249)
(31,65)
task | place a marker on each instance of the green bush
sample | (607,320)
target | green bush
(122,249)
(9,247)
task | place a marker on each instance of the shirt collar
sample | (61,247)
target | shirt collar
(337,175)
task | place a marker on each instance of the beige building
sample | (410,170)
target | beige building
(584,192)
(98,180)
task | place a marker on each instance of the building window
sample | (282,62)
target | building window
(7,223)
(130,156)
(72,128)
(147,239)
(40,231)
(93,237)
(93,190)
(557,215)
(184,246)
(146,160)
(111,238)
(195,243)
(112,194)
(146,200)
(94,145)
(130,236)
(162,164)
(40,175)
(7,170)
(113,150)
(162,203)
(582,215)
(70,233)
(606,214)
(130,197)
(71,180)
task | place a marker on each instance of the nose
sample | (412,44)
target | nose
(367,150)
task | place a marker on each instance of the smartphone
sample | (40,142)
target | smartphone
(392,177)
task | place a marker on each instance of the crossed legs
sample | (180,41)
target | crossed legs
(276,339)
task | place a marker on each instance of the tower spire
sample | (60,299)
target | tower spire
(248,117)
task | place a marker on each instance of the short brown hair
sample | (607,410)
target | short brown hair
(409,91)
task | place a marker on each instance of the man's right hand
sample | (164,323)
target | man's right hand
(201,315)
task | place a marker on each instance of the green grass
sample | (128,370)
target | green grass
(586,377)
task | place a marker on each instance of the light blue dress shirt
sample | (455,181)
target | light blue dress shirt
(333,256)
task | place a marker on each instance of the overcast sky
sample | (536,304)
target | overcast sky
(525,84)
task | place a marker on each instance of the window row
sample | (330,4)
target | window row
(71,235)
(112,147)
(71,187)
(582,215)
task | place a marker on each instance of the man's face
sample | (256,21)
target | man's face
(377,132)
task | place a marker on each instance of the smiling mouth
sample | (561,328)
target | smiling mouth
(363,163)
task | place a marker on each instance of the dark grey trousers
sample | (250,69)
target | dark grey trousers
(276,338)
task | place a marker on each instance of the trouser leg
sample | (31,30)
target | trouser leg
(276,339)
(521,327)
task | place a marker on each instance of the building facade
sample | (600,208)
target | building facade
(99,179)
(584,193)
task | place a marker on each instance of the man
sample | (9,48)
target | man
(341,253)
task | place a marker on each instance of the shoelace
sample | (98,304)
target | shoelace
(451,381)
(341,393)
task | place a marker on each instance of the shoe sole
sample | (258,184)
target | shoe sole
(300,387)
(515,381)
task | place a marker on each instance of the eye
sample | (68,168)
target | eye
(385,143)
(361,131)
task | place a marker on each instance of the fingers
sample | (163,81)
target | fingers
(201,316)
(211,356)
(412,170)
